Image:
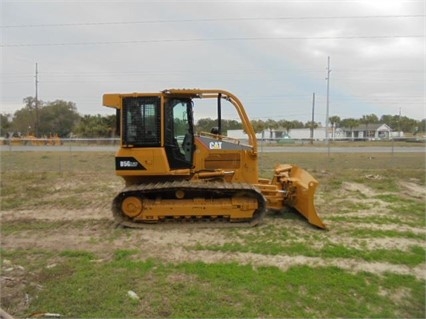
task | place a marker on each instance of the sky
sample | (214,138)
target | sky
(272,54)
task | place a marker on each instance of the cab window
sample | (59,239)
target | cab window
(141,121)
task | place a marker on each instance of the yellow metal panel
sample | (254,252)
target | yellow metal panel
(154,160)
(115,99)
(112,100)
(224,160)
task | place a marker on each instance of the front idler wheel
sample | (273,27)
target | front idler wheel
(132,206)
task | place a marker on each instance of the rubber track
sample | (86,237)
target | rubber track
(205,187)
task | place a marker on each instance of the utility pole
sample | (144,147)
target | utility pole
(36,101)
(328,100)
(312,122)
(399,123)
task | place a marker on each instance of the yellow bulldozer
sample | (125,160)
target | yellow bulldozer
(173,173)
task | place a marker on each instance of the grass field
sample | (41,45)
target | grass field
(61,252)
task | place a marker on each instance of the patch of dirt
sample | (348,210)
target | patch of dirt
(413,190)
(392,227)
(389,243)
(361,188)
(93,229)
(174,245)
(409,188)
(397,295)
(52,214)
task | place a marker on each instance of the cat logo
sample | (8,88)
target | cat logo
(215,145)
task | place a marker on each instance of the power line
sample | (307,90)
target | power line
(349,37)
(209,20)
(375,72)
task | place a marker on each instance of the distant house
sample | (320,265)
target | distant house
(294,133)
(370,131)
(319,133)
(362,132)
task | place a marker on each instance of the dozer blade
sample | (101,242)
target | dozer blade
(301,192)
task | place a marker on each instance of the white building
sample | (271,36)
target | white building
(370,131)
(298,134)
(318,134)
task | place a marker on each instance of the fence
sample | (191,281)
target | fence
(97,155)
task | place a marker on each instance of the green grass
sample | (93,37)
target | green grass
(355,165)
(414,209)
(380,233)
(378,220)
(413,257)
(92,279)
(80,254)
(35,226)
(193,290)
(57,161)
(60,190)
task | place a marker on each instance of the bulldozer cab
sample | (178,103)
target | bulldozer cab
(142,123)
(158,137)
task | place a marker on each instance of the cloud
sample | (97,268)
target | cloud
(273,55)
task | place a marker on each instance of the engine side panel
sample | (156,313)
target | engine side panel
(216,154)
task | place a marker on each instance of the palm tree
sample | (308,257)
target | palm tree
(334,120)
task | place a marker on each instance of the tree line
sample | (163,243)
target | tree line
(44,119)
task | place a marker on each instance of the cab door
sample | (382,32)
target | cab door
(179,133)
